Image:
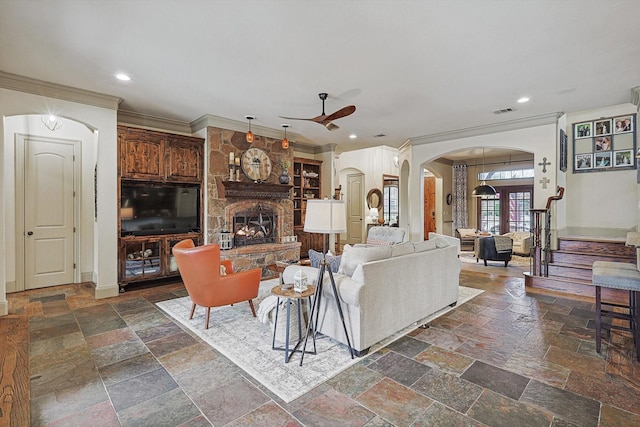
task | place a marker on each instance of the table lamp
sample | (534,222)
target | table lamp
(325,217)
(373,214)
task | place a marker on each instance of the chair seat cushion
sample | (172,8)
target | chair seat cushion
(616,278)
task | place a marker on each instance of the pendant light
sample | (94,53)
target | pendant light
(483,189)
(285,141)
(249,135)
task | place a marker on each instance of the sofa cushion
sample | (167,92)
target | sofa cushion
(427,245)
(332,260)
(352,257)
(400,249)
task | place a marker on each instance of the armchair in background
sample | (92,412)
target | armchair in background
(467,238)
(207,284)
(385,235)
(494,248)
(521,242)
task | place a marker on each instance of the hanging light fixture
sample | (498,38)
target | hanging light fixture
(483,189)
(249,135)
(285,141)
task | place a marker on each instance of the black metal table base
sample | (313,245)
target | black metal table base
(315,310)
(288,352)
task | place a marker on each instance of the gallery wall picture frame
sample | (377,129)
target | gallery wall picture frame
(605,144)
(623,124)
(602,160)
(623,158)
(563,150)
(602,127)
(584,161)
(582,130)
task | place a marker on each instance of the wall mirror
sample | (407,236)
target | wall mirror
(390,204)
(374,198)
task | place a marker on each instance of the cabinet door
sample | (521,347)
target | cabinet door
(141,155)
(184,162)
(142,260)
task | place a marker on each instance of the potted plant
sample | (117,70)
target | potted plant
(284,176)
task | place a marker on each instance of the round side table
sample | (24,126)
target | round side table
(291,296)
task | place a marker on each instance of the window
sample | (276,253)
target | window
(510,215)
(502,175)
(390,197)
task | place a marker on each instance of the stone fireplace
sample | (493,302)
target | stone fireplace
(258,214)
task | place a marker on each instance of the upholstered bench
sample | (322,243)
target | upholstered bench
(617,275)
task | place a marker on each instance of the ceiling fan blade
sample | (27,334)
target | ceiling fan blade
(317,119)
(343,112)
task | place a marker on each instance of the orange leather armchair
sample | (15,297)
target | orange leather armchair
(200,271)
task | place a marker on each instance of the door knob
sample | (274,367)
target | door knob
(29,233)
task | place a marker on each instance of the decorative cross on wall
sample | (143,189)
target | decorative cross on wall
(544,181)
(544,165)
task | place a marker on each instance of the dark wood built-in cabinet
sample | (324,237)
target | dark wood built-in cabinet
(152,158)
(307,179)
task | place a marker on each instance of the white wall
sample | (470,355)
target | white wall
(373,163)
(601,204)
(540,140)
(70,130)
(104,121)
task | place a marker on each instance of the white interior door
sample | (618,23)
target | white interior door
(355,202)
(49,211)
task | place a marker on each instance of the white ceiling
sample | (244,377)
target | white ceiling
(412,68)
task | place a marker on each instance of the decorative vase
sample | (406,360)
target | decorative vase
(284,177)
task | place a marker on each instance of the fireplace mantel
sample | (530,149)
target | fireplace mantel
(253,190)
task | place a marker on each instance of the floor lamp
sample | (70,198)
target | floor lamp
(324,217)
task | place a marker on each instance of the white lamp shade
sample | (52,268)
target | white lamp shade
(325,216)
(373,213)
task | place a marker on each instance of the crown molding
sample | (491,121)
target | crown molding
(54,90)
(153,122)
(517,124)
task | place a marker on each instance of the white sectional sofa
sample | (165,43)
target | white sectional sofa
(384,289)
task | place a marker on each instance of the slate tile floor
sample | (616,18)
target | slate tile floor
(509,357)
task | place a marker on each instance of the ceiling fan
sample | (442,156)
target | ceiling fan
(326,120)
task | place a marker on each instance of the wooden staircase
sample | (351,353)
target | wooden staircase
(570,266)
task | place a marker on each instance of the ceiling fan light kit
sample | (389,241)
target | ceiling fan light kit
(249,135)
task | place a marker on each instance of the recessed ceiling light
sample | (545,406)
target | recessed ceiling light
(353,136)
(123,77)
(523,100)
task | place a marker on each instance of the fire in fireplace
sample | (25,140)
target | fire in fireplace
(254,226)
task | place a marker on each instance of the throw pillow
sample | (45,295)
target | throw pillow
(223,270)
(427,245)
(352,257)
(332,260)
(400,249)
(441,243)
(376,242)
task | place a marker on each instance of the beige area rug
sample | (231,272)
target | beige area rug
(234,332)
(516,260)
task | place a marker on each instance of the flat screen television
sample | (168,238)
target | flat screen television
(147,209)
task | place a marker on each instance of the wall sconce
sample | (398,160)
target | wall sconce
(249,135)
(285,141)
(52,122)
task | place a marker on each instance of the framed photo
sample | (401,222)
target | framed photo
(563,150)
(603,143)
(603,160)
(582,130)
(623,124)
(584,161)
(623,158)
(603,127)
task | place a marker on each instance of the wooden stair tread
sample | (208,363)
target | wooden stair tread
(566,265)
(591,253)
(594,239)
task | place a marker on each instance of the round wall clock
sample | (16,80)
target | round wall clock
(256,164)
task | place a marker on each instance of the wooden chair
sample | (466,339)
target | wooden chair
(200,271)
